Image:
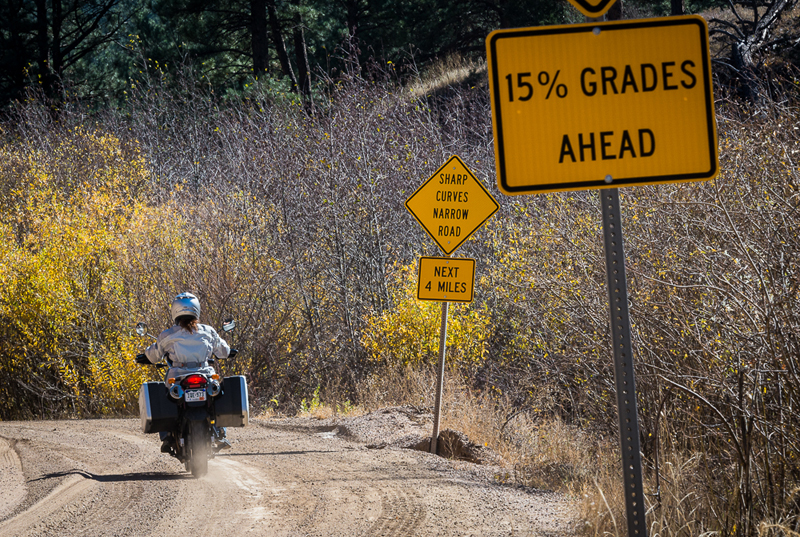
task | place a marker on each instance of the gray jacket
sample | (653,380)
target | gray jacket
(188,351)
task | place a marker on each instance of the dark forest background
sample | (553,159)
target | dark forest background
(98,48)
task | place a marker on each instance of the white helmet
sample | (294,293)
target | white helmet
(185,304)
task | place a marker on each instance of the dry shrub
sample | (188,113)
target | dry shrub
(674,506)
(551,454)
(315,203)
(477,414)
(66,202)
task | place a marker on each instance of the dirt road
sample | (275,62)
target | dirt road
(105,477)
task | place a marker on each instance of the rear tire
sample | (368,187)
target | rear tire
(198,448)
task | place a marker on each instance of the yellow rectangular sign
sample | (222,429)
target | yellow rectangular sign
(446,279)
(602,105)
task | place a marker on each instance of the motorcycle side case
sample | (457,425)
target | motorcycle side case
(156,411)
(232,407)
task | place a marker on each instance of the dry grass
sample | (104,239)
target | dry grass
(450,71)
(393,387)
(537,452)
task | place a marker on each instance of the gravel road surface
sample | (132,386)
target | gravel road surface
(282,478)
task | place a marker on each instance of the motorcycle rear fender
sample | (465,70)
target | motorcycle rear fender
(196,413)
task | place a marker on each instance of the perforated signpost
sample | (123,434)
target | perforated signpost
(450,206)
(603,105)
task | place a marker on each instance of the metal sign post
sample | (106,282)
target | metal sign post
(437,410)
(623,363)
(444,279)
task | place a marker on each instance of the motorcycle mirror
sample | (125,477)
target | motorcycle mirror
(228,325)
(141,329)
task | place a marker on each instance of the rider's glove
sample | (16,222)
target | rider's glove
(142,359)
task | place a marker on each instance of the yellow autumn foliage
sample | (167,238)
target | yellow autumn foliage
(62,301)
(408,333)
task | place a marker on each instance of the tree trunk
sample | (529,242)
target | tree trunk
(58,58)
(352,18)
(615,11)
(42,41)
(280,46)
(18,57)
(301,57)
(751,35)
(259,39)
(744,65)
(676,7)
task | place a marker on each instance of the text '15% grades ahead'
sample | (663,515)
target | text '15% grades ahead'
(629,100)
(602,81)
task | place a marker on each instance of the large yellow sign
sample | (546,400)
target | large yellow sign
(446,279)
(602,105)
(451,205)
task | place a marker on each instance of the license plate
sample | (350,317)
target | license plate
(192,396)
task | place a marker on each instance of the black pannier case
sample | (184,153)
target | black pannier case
(232,407)
(157,412)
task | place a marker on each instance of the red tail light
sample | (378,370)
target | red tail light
(194,381)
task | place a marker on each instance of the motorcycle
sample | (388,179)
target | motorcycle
(193,407)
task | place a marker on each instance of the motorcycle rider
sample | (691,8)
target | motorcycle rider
(190,345)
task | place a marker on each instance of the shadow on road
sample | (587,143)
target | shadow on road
(112,478)
(304,452)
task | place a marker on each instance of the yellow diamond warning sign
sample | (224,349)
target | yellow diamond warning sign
(446,279)
(593,8)
(451,205)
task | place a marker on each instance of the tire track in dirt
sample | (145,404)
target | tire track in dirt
(259,500)
(12,482)
(117,488)
(35,517)
(330,480)
(401,514)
